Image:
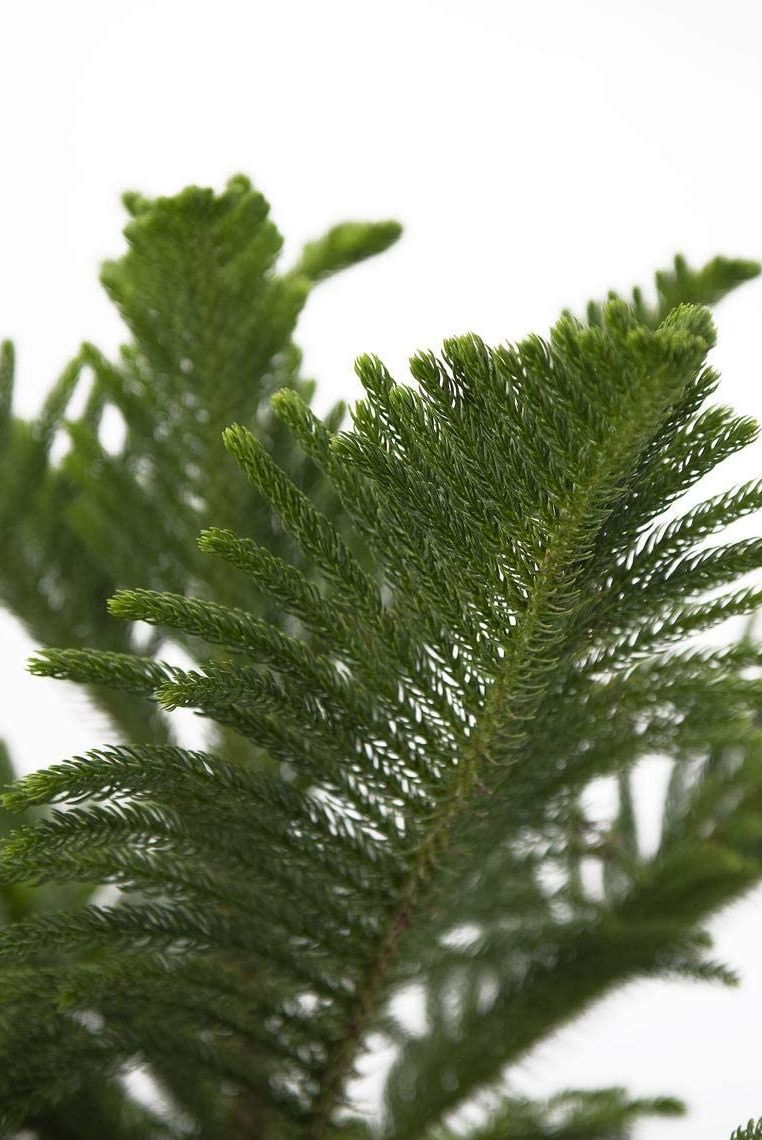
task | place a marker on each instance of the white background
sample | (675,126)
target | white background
(537,153)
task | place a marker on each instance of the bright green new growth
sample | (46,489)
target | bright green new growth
(211,319)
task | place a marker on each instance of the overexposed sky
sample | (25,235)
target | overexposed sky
(537,154)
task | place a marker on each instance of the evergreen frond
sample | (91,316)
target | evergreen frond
(446,625)
(500,635)
(212,321)
(682,285)
(752,1131)
(344,245)
(606,1114)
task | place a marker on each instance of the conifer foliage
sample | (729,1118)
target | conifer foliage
(752,1131)
(211,318)
(498,615)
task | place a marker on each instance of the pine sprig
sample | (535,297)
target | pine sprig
(606,1114)
(683,285)
(752,1131)
(456,689)
(211,318)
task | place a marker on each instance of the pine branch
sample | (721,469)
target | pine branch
(438,710)
(752,1131)
(212,323)
(606,1114)
(682,285)
(408,657)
